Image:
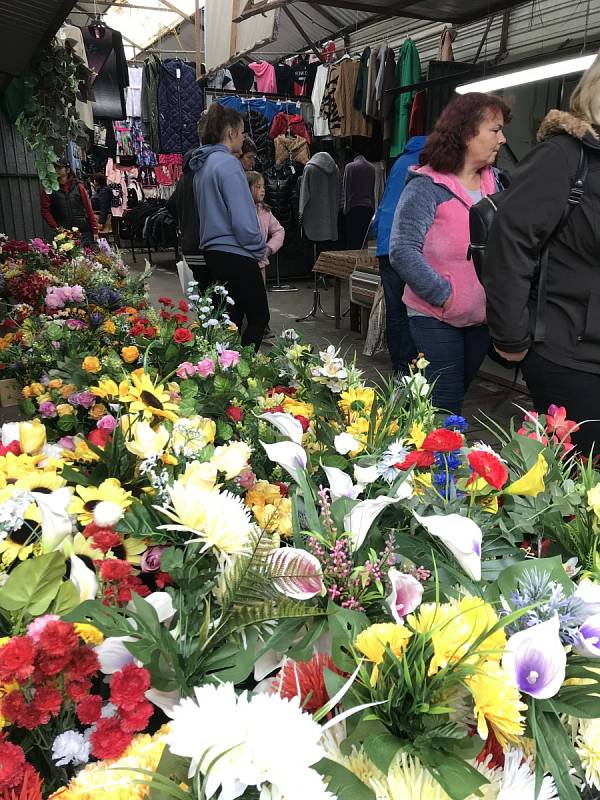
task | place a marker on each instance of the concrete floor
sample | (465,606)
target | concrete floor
(492,392)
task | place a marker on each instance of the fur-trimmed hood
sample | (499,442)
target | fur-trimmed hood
(557,122)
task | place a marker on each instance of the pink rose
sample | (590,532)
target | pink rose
(66,442)
(185,370)
(205,368)
(246,480)
(151,558)
(107,423)
(228,358)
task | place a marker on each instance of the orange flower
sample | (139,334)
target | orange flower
(130,354)
(91,364)
(98,411)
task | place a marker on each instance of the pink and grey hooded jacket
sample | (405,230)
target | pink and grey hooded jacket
(272,230)
(429,244)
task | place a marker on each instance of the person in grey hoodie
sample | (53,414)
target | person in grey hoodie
(229,232)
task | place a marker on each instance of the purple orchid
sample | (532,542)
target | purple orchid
(588,639)
(536,659)
(406,594)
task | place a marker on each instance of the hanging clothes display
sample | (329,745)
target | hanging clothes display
(381,55)
(83,106)
(106,56)
(387,98)
(291,148)
(408,71)
(311,76)
(320,198)
(289,124)
(320,121)
(180,104)
(242,75)
(169,169)
(445,52)
(115,179)
(370,109)
(360,91)
(300,76)
(418,115)
(358,200)
(134,92)
(222,79)
(149,102)
(265,76)
(329,107)
(284,79)
(353,122)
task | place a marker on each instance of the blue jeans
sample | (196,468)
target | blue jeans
(454,355)
(400,343)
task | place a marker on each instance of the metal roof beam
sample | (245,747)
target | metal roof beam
(302,33)
(174,8)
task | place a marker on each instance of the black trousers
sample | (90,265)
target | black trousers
(357,224)
(578,392)
(242,278)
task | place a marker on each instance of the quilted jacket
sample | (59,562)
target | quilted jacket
(257,127)
(282,193)
(150,102)
(180,103)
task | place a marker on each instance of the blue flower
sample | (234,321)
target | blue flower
(456,422)
(448,461)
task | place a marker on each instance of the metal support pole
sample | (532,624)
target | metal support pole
(316,306)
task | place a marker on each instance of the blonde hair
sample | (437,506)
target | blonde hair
(585,100)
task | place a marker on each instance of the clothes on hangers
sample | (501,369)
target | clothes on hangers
(115,179)
(265,76)
(106,56)
(284,79)
(352,122)
(300,75)
(329,107)
(320,122)
(445,52)
(380,75)
(289,124)
(291,148)
(169,168)
(134,92)
(311,75)
(149,102)
(387,98)
(408,71)
(180,104)
(360,91)
(418,115)
(242,75)
(370,109)
(222,79)
(268,108)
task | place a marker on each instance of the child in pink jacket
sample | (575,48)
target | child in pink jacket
(271,229)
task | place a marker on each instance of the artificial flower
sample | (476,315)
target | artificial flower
(497,703)
(231,458)
(91,364)
(373,641)
(405,596)
(130,354)
(144,441)
(489,467)
(87,498)
(461,535)
(32,436)
(532,482)
(289,455)
(536,659)
(149,399)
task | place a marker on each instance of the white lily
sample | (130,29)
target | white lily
(405,596)
(285,424)
(340,484)
(289,455)
(461,536)
(345,443)
(358,522)
(366,475)
(166,701)
(57,524)
(84,579)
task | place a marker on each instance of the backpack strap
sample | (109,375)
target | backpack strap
(576,194)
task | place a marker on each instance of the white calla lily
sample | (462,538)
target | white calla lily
(345,443)
(162,603)
(113,655)
(57,524)
(289,455)
(340,484)
(366,475)
(166,701)
(84,579)
(461,536)
(358,521)
(285,424)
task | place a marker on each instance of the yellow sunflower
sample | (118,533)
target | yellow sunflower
(42,482)
(148,399)
(87,498)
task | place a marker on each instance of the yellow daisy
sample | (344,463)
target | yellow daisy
(86,499)
(373,641)
(148,399)
(359,399)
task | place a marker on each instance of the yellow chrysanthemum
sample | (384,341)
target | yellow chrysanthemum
(148,399)
(263,493)
(298,408)
(89,634)
(275,518)
(117,779)
(497,703)
(373,641)
(359,399)
(87,498)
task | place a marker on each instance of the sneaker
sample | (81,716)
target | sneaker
(269,334)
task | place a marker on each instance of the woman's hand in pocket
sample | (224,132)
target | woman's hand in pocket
(515,357)
(447,302)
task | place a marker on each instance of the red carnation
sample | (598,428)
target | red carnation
(106,539)
(31,718)
(183,306)
(489,467)
(12,765)
(442,441)
(114,569)
(128,686)
(165,315)
(109,740)
(47,702)
(99,437)
(235,413)
(84,663)
(78,689)
(89,709)
(13,704)
(182,335)
(303,421)
(53,665)
(13,447)
(416,458)
(16,659)
(166,301)
(57,638)
(135,719)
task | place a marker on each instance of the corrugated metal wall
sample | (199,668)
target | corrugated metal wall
(20,216)
(536,28)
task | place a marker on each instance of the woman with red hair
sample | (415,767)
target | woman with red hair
(430,240)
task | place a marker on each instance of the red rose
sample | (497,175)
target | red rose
(13,704)
(109,740)
(417,458)
(182,335)
(183,306)
(89,709)
(114,569)
(149,332)
(16,659)
(127,686)
(166,301)
(57,638)
(47,702)
(442,441)
(99,437)
(181,318)
(235,413)
(12,765)
(303,421)
(135,719)
(165,315)
(489,467)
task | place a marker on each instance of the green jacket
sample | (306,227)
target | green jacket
(408,71)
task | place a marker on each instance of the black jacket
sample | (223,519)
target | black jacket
(529,211)
(183,207)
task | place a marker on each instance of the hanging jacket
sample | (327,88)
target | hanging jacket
(106,56)
(227,217)
(530,210)
(359,184)
(290,124)
(281,192)
(149,103)
(265,76)
(320,198)
(291,148)
(257,127)
(382,224)
(408,71)
(360,91)
(272,231)
(180,104)
(429,244)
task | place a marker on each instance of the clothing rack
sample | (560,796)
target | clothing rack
(257,96)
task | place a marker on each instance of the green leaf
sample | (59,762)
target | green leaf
(345,625)
(458,779)
(173,768)
(66,600)
(382,750)
(243,368)
(342,783)
(224,430)
(230,662)
(508,580)
(33,585)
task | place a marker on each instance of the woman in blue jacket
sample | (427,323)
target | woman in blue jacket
(229,232)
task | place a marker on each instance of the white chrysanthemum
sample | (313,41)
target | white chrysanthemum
(588,749)
(70,747)
(410,780)
(247,733)
(516,781)
(227,523)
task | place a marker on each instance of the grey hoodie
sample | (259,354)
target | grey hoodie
(320,198)
(226,210)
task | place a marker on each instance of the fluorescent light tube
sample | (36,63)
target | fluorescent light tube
(530,75)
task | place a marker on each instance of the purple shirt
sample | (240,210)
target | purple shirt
(359,184)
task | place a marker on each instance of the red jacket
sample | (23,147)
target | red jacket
(282,123)
(46,207)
